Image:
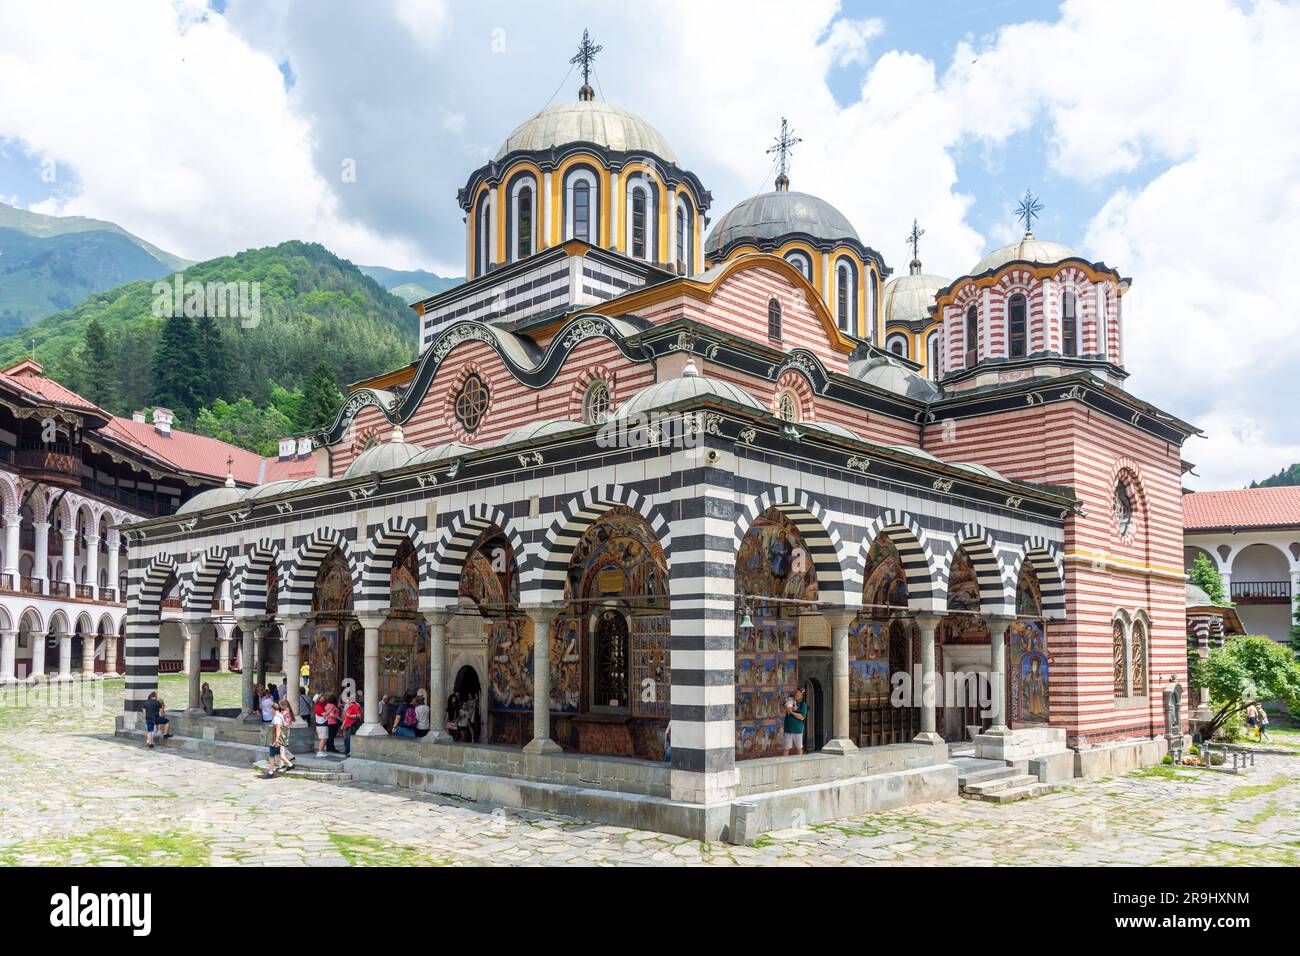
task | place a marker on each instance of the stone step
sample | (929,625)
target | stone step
(975,763)
(310,773)
(974,777)
(1013,794)
(1008,781)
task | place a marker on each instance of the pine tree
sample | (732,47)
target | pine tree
(321,398)
(101,368)
(176,367)
(214,373)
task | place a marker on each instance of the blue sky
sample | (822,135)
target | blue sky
(1150,131)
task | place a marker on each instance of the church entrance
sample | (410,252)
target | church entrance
(335,637)
(881,645)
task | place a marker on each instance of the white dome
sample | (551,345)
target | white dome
(908,298)
(690,385)
(1027,249)
(587,121)
(391,454)
(769,217)
(212,498)
(893,376)
(443,452)
(539,430)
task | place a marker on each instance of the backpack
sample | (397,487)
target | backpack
(409,719)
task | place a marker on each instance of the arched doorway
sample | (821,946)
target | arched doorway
(882,644)
(467,688)
(776,587)
(962,643)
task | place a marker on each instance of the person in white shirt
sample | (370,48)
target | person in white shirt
(423,716)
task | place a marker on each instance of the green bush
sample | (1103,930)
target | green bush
(1232,729)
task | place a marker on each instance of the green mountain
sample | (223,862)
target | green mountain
(412,285)
(43,275)
(1287,476)
(119,348)
(42,226)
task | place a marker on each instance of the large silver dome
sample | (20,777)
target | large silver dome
(770,216)
(587,121)
(908,298)
(1027,249)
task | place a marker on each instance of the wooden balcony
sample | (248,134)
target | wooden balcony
(55,464)
(1261,592)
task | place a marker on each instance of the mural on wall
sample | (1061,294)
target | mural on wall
(774,562)
(885,584)
(963,596)
(404,579)
(618,556)
(651,637)
(868,660)
(403,657)
(326,643)
(510,665)
(333,589)
(490,578)
(566,666)
(272,590)
(1027,652)
(327,637)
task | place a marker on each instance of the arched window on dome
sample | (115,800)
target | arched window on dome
(801,262)
(1017,320)
(972,336)
(685,228)
(483,235)
(932,356)
(1069,324)
(774,319)
(898,345)
(846,296)
(581,205)
(641,220)
(523,216)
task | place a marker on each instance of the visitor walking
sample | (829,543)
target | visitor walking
(205,699)
(462,723)
(1263,724)
(796,716)
(273,734)
(1252,718)
(267,702)
(155,719)
(286,726)
(351,723)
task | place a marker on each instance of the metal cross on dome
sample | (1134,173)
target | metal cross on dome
(586,53)
(783,146)
(914,239)
(1028,211)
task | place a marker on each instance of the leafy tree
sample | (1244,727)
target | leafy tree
(321,398)
(1244,669)
(176,365)
(1206,577)
(1289,475)
(244,424)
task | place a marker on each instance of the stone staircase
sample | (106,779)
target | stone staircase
(318,770)
(995,782)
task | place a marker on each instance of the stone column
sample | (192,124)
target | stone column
(371,726)
(112,542)
(13,547)
(187,634)
(65,656)
(248,707)
(999,636)
(841,742)
(70,560)
(110,656)
(437,676)
(92,563)
(291,655)
(223,654)
(260,655)
(88,656)
(41,554)
(38,656)
(193,631)
(8,651)
(928,735)
(542,617)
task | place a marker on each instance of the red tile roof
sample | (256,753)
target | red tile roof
(46,389)
(1246,508)
(197,454)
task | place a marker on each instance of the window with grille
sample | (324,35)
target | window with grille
(1120,652)
(471,402)
(639,224)
(972,336)
(787,406)
(611,662)
(1123,508)
(595,402)
(524,239)
(1138,655)
(773,319)
(1069,324)
(582,210)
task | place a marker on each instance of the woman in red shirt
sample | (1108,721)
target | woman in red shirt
(351,723)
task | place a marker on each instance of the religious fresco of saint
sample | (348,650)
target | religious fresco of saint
(1028,699)
(404,635)
(327,635)
(618,557)
(773,563)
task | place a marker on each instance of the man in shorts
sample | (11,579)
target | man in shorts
(155,718)
(796,716)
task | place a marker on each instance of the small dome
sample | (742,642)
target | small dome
(541,429)
(690,385)
(443,452)
(1027,249)
(884,372)
(212,498)
(271,488)
(831,429)
(908,298)
(587,121)
(984,470)
(393,453)
(770,216)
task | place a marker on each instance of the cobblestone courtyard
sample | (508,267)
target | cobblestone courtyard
(75,795)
